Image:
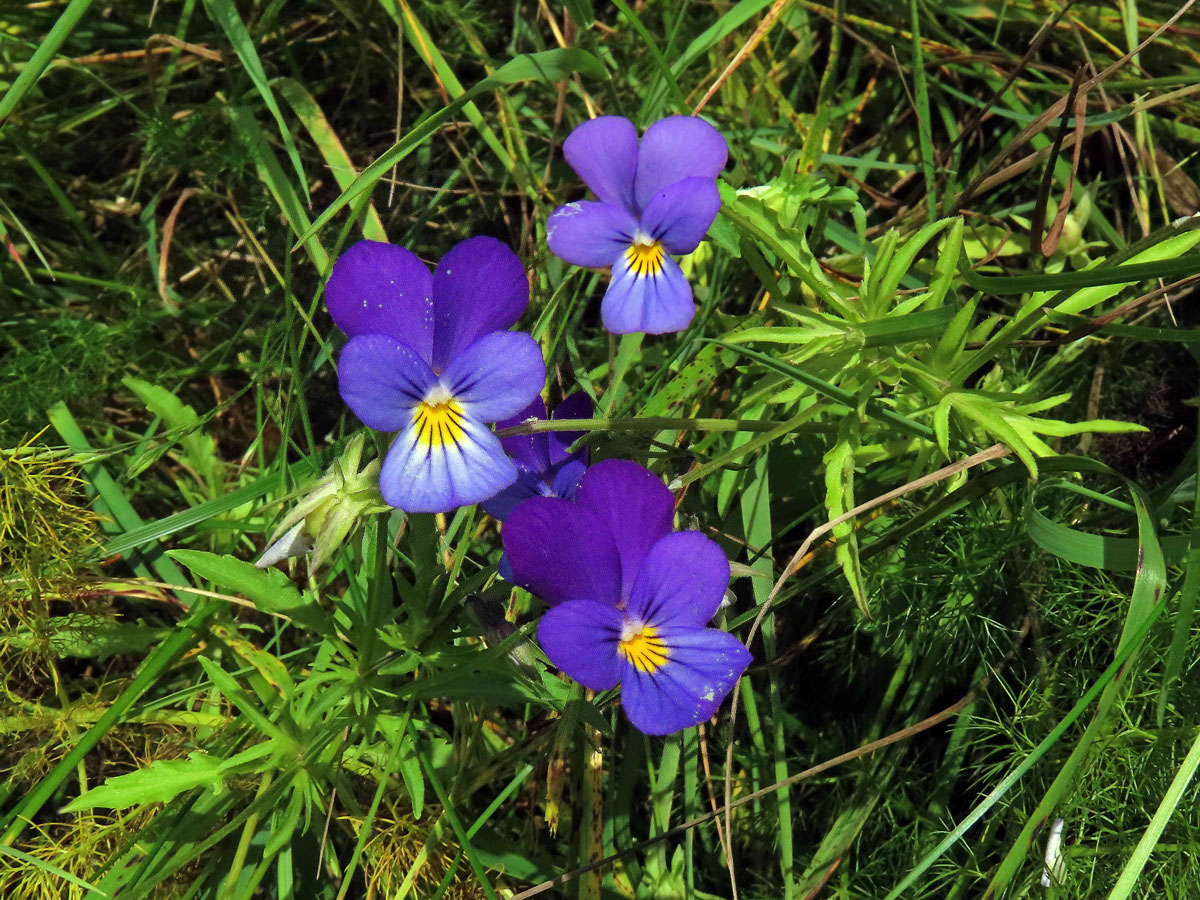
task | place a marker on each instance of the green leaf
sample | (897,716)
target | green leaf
(199,453)
(906,255)
(268,589)
(159,782)
(1115,554)
(89,636)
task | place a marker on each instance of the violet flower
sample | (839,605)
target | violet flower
(655,199)
(432,358)
(546,467)
(629,598)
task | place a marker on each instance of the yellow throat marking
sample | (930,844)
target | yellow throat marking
(641,645)
(645,259)
(439,424)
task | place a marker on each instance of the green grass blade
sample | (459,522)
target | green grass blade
(996,794)
(225,14)
(273,176)
(41,58)
(187,633)
(327,141)
(110,494)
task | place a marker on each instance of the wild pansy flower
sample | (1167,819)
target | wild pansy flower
(432,358)
(629,598)
(655,199)
(546,467)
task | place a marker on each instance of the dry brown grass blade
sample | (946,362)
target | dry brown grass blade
(752,42)
(1077,102)
(168,234)
(1038,39)
(1042,122)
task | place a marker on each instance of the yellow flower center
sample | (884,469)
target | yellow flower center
(439,422)
(645,258)
(641,645)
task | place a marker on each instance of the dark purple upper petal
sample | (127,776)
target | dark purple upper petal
(497,375)
(566,479)
(382,380)
(635,507)
(378,288)
(703,666)
(676,148)
(501,506)
(574,406)
(580,637)
(529,450)
(562,551)
(681,582)
(680,214)
(656,304)
(604,153)
(586,233)
(479,287)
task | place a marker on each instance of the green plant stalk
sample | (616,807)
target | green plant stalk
(249,829)
(364,832)
(756,525)
(480,821)
(591,830)
(649,423)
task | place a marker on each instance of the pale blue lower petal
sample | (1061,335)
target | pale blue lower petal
(422,475)
(703,666)
(655,303)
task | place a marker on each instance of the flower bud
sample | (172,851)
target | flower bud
(329,510)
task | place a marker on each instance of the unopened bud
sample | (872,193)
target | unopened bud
(329,510)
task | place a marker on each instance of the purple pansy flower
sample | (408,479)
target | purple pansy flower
(655,199)
(432,358)
(629,598)
(546,467)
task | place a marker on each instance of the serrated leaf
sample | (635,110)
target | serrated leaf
(268,589)
(157,783)
(89,636)
(199,453)
(902,261)
(839,499)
